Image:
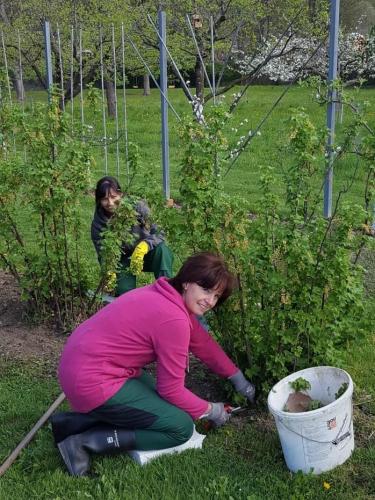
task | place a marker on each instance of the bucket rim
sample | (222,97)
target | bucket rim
(306,414)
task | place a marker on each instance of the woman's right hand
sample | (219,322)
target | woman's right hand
(218,414)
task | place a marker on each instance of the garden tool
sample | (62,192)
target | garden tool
(26,440)
(208,425)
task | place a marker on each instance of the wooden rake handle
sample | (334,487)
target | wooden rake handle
(26,440)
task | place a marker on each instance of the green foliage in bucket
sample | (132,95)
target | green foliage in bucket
(298,401)
(300,384)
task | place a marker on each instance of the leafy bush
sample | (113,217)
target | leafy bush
(300,294)
(43,177)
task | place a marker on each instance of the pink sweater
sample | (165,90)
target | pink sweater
(145,325)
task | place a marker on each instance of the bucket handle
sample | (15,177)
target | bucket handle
(335,441)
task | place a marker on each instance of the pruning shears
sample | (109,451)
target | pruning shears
(229,409)
(233,411)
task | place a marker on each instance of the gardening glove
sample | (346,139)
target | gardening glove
(243,386)
(136,260)
(218,414)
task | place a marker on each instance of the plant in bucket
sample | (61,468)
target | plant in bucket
(314,437)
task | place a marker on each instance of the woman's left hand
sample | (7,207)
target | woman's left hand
(243,386)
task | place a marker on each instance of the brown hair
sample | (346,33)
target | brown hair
(207,270)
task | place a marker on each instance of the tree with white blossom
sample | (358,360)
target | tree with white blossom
(297,57)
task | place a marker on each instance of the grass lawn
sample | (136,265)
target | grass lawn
(243,460)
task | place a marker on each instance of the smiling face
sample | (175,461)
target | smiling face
(111,201)
(199,300)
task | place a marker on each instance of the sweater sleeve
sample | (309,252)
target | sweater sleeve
(172,350)
(205,348)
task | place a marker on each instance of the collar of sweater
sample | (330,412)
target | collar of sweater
(164,288)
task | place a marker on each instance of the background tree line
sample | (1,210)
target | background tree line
(246,27)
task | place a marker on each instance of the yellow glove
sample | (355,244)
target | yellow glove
(136,260)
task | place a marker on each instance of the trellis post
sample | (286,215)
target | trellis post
(164,103)
(331,111)
(47,50)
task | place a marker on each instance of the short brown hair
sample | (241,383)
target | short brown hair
(207,270)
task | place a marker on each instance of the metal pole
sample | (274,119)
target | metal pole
(331,111)
(47,46)
(21,71)
(213,59)
(164,104)
(81,77)
(22,86)
(103,104)
(116,108)
(151,74)
(6,68)
(183,83)
(61,69)
(71,77)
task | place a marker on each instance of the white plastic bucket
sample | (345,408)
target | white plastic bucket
(315,441)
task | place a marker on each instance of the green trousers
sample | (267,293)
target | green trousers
(137,406)
(158,261)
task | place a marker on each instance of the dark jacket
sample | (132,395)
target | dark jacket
(152,236)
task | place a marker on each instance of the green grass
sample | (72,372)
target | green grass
(240,461)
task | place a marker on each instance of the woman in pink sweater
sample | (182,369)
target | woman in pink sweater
(117,405)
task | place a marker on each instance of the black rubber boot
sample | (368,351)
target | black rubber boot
(102,439)
(67,423)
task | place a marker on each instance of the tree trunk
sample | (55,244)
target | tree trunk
(19,88)
(146,84)
(199,79)
(111,101)
(312,9)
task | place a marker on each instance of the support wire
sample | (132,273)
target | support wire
(103,104)
(116,110)
(124,104)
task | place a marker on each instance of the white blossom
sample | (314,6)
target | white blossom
(356,58)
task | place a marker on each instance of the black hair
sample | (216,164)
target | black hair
(104,185)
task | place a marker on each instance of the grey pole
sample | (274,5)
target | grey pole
(47,49)
(213,58)
(164,103)
(61,69)
(103,104)
(71,77)
(6,68)
(116,106)
(331,111)
(81,78)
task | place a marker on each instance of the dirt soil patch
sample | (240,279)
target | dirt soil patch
(20,340)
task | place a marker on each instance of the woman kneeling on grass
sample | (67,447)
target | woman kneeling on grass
(119,407)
